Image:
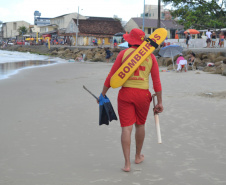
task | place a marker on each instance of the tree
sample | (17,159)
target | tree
(22,30)
(199,14)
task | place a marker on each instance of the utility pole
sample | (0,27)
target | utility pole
(159,11)
(77,28)
(143,15)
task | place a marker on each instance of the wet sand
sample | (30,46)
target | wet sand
(49,132)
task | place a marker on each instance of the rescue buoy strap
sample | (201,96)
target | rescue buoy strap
(153,43)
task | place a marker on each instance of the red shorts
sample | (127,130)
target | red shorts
(133,106)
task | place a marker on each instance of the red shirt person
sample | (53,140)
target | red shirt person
(134,97)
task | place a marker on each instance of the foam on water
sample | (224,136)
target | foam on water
(12,61)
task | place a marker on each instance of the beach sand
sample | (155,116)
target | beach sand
(49,131)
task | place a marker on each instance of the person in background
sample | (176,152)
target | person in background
(178,61)
(134,97)
(80,58)
(213,38)
(108,54)
(222,38)
(208,40)
(115,43)
(187,39)
(191,59)
(103,42)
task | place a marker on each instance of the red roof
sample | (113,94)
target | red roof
(99,27)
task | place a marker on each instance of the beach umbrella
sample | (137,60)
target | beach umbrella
(181,32)
(170,51)
(119,34)
(124,45)
(192,31)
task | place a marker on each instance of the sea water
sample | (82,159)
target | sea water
(11,62)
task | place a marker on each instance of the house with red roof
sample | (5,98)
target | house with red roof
(100,28)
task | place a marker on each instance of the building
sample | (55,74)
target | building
(63,20)
(93,28)
(151,11)
(150,25)
(10,29)
(41,21)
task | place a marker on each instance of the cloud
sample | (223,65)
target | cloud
(24,9)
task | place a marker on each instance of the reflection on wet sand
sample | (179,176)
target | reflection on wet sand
(10,68)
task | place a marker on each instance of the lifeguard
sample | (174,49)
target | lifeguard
(132,68)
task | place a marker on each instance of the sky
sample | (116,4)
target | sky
(17,10)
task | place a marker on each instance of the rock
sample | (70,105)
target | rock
(219,54)
(61,52)
(209,69)
(217,64)
(67,51)
(175,57)
(54,52)
(188,52)
(116,50)
(218,70)
(223,69)
(61,49)
(170,67)
(168,61)
(224,61)
(189,67)
(204,57)
(206,61)
(220,58)
(211,56)
(197,62)
(99,57)
(89,55)
(76,50)
(160,61)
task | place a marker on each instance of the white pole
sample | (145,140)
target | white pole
(77,28)
(172,59)
(143,15)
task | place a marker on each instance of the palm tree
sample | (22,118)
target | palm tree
(22,30)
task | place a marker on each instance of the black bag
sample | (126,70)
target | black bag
(106,111)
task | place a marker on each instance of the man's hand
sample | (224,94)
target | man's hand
(158,108)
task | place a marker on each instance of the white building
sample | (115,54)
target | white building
(63,20)
(10,29)
(151,11)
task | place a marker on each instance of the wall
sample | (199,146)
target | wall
(10,28)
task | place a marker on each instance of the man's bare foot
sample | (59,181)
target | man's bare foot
(126,169)
(139,158)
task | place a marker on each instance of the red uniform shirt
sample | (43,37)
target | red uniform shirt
(154,71)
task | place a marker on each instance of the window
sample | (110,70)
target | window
(14,26)
(149,30)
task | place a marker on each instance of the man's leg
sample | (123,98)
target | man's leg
(139,136)
(126,141)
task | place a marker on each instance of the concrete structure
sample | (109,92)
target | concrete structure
(10,29)
(150,25)
(151,11)
(41,21)
(48,28)
(63,20)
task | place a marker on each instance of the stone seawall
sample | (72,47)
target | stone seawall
(204,56)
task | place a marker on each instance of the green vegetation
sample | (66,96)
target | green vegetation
(22,30)
(199,14)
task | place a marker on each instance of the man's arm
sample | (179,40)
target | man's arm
(158,107)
